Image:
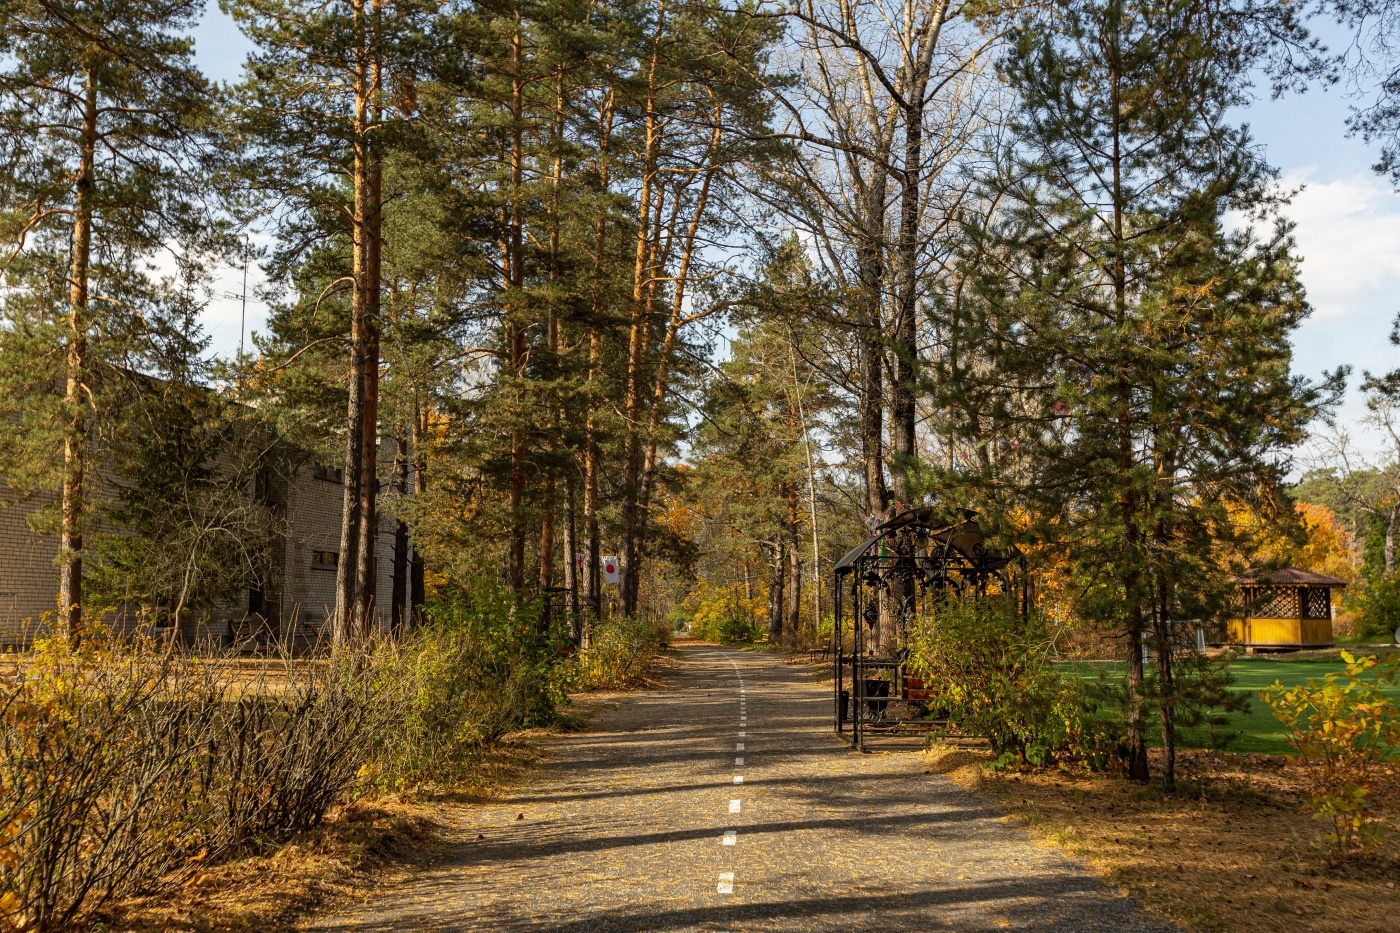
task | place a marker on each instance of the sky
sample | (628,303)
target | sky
(1347,217)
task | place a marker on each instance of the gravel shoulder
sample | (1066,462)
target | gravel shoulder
(633,825)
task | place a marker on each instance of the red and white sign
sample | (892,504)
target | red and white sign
(611,573)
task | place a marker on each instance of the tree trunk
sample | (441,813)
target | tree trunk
(905,332)
(872,429)
(1137,745)
(571,568)
(590,585)
(794,590)
(515,281)
(398,602)
(547,538)
(777,572)
(1166,685)
(1390,527)
(342,625)
(417,585)
(639,335)
(72,504)
(366,564)
(1128,500)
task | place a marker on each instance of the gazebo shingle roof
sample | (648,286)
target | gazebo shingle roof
(1286,576)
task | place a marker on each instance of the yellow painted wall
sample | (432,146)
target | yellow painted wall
(1317,631)
(1281,632)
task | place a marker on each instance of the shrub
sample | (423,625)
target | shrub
(290,744)
(477,668)
(620,654)
(99,783)
(719,613)
(724,631)
(126,767)
(1346,730)
(1377,607)
(990,673)
(122,768)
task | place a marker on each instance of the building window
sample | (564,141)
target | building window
(324,560)
(328,473)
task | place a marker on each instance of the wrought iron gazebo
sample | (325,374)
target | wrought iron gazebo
(910,562)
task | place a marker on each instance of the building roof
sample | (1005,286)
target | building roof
(1286,576)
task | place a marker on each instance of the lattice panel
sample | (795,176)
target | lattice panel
(1268,602)
(1317,603)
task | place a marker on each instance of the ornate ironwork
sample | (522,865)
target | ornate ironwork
(912,560)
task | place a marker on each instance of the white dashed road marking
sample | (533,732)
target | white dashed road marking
(738,746)
(726,882)
(731,836)
(738,762)
(734,806)
(738,779)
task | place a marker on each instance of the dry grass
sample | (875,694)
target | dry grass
(1232,850)
(359,847)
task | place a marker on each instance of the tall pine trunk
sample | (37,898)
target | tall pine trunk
(590,586)
(417,585)
(366,569)
(350,594)
(639,335)
(794,587)
(514,272)
(1166,684)
(1128,499)
(72,504)
(398,602)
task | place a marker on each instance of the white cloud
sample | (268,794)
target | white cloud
(1348,233)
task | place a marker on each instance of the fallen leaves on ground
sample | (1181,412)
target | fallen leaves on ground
(1232,850)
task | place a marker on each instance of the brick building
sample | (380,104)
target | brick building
(294,610)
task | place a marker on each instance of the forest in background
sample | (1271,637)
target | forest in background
(708,288)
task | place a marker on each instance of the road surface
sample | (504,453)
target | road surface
(724,802)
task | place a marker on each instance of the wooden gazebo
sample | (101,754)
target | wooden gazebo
(1285,608)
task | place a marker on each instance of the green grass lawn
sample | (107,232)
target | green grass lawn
(1259,731)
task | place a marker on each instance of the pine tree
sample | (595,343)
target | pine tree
(327,92)
(101,110)
(1128,373)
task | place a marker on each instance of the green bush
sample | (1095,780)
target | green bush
(477,668)
(1346,729)
(620,654)
(990,673)
(1377,608)
(725,631)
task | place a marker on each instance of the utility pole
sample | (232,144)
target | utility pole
(242,297)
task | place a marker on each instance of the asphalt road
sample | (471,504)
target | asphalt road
(725,803)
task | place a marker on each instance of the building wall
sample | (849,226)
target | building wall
(296,612)
(313,515)
(28,577)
